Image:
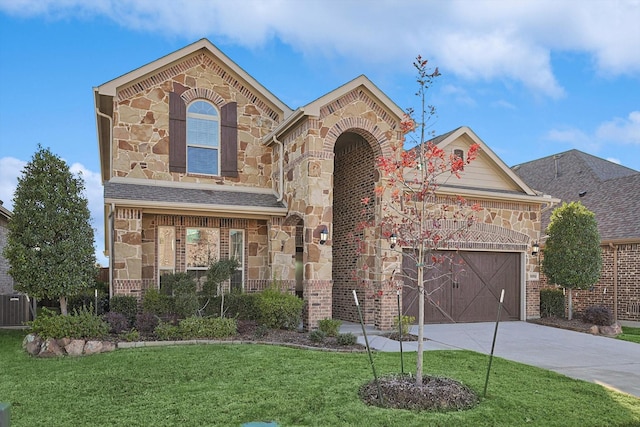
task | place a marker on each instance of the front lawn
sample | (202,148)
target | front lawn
(206,385)
(630,334)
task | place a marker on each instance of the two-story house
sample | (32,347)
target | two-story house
(199,161)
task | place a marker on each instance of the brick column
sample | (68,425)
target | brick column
(127,252)
(317,297)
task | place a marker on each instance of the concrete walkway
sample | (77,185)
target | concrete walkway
(606,361)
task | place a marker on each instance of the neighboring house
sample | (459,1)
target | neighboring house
(612,192)
(6,281)
(199,161)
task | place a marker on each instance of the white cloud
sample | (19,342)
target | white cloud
(484,40)
(459,95)
(621,131)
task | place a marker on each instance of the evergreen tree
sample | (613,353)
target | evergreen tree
(572,256)
(50,242)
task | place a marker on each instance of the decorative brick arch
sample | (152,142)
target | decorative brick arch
(202,93)
(370,132)
(292,219)
(481,236)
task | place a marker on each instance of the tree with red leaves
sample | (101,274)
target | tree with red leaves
(408,210)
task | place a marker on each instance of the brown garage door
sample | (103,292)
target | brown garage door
(465,287)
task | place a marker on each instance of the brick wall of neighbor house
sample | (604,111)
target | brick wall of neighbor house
(602,293)
(6,281)
(141,123)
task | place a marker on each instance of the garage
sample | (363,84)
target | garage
(465,286)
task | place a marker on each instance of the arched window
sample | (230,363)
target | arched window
(203,138)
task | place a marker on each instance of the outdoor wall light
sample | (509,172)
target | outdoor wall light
(393,239)
(324,235)
(535,249)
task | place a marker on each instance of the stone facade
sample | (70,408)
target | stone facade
(316,163)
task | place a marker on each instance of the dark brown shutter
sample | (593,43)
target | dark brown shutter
(177,134)
(229,139)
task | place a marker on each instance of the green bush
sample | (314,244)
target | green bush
(236,305)
(125,304)
(186,304)
(157,303)
(207,327)
(81,323)
(177,283)
(261,331)
(598,315)
(330,326)
(167,332)
(278,310)
(551,303)
(130,336)
(87,299)
(406,322)
(346,339)
(317,335)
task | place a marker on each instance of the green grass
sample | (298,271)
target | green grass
(205,385)
(630,334)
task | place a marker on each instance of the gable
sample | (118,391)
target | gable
(487,172)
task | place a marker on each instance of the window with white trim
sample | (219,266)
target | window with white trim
(236,251)
(203,138)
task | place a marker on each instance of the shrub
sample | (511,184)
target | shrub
(551,303)
(166,331)
(346,339)
(317,335)
(117,322)
(207,327)
(406,322)
(146,323)
(278,310)
(598,315)
(125,304)
(157,303)
(81,323)
(186,304)
(330,326)
(241,306)
(261,331)
(87,299)
(129,336)
(177,283)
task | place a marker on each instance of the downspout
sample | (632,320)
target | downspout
(110,241)
(108,117)
(281,166)
(615,281)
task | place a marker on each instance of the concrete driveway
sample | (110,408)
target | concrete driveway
(606,361)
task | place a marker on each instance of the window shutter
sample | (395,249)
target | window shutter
(229,139)
(177,134)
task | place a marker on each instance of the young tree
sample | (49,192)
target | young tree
(50,242)
(572,256)
(409,209)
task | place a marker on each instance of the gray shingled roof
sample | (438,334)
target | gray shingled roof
(612,191)
(155,193)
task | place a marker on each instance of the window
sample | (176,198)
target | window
(203,138)
(236,251)
(212,138)
(166,250)
(202,249)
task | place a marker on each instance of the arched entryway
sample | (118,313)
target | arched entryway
(354,178)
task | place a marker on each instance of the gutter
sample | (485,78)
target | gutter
(280,190)
(110,119)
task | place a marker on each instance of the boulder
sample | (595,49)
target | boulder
(92,347)
(594,330)
(108,346)
(75,347)
(50,348)
(610,331)
(32,344)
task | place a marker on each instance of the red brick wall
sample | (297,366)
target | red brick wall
(602,294)
(354,179)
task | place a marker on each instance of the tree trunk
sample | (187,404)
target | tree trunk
(420,272)
(570,316)
(63,306)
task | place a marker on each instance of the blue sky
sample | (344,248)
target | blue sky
(531,78)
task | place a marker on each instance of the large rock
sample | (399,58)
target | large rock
(610,331)
(50,348)
(108,346)
(75,347)
(32,344)
(92,347)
